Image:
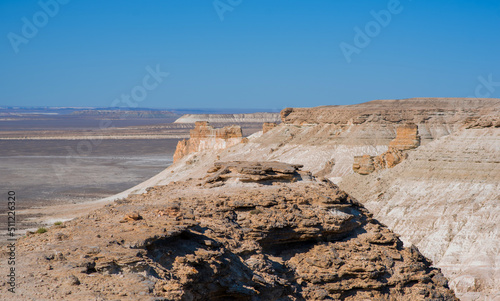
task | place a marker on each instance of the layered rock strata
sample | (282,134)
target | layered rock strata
(267,126)
(443,198)
(204,136)
(230,118)
(400,111)
(267,173)
(406,138)
(279,239)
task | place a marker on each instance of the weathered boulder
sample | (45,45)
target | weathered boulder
(258,172)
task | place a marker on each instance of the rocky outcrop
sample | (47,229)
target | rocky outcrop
(314,136)
(203,130)
(267,126)
(204,136)
(389,159)
(284,238)
(406,138)
(230,118)
(444,199)
(487,121)
(363,165)
(400,111)
(267,173)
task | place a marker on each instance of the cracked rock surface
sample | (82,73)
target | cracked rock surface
(267,237)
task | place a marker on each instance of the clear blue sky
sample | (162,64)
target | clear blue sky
(264,53)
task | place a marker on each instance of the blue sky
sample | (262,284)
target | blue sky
(266,54)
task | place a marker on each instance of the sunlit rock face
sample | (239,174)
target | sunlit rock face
(230,118)
(267,126)
(238,231)
(406,138)
(204,136)
(443,198)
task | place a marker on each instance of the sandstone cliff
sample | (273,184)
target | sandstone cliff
(256,231)
(204,136)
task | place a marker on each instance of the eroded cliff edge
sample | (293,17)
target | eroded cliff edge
(443,198)
(204,136)
(244,230)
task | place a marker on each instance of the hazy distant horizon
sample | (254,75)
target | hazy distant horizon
(174,110)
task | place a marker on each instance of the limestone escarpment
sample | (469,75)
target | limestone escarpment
(434,117)
(413,110)
(447,200)
(230,118)
(444,199)
(406,138)
(332,138)
(204,136)
(279,239)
